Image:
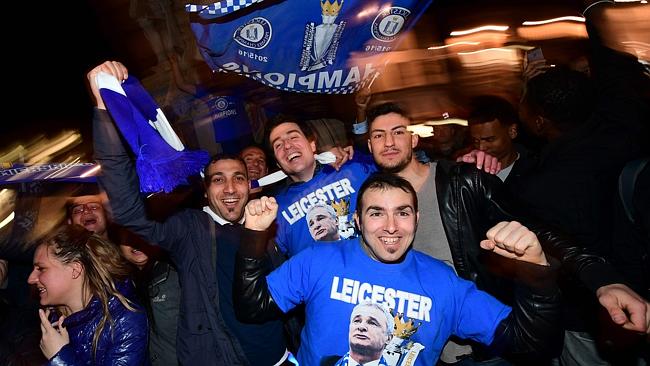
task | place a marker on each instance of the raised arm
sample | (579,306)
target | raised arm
(534,326)
(253,302)
(119,178)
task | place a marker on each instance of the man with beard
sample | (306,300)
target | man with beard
(462,202)
(429,302)
(202,244)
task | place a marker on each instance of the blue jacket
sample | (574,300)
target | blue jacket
(123,343)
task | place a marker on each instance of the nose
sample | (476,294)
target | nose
(389,141)
(229,187)
(390,227)
(482,146)
(32,279)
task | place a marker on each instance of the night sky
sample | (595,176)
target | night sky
(47,72)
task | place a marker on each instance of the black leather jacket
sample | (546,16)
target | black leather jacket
(471,202)
(532,328)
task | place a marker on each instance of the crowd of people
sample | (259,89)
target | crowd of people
(391,255)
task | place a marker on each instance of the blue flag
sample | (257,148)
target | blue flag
(302,45)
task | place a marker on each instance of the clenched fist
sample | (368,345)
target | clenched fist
(260,213)
(513,240)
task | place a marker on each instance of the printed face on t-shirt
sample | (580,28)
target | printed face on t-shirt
(368,333)
(388,222)
(323,224)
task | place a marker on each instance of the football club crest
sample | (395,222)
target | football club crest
(388,24)
(255,33)
(321,41)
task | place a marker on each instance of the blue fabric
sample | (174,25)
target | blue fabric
(303,46)
(123,342)
(336,189)
(56,172)
(331,279)
(262,343)
(160,167)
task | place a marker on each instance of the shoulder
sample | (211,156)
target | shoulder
(430,264)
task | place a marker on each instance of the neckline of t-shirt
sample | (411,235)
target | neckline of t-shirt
(384,267)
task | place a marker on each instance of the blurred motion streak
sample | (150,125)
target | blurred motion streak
(92,171)
(555,20)
(561,29)
(44,148)
(7,220)
(490,56)
(464,43)
(497,28)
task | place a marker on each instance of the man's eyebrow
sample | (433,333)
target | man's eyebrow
(376,208)
(295,130)
(405,207)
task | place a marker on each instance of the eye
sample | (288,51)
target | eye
(377,135)
(375,214)
(217,180)
(398,132)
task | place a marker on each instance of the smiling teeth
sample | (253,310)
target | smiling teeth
(389,240)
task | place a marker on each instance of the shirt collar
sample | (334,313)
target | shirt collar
(218,219)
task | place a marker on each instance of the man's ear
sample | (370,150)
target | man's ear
(540,124)
(369,146)
(312,144)
(356,221)
(513,131)
(414,140)
(69,221)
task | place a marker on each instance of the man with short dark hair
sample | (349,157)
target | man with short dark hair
(462,202)
(202,244)
(309,184)
(428,301)
(256,164)
(493,127)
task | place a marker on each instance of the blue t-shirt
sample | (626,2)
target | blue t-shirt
(428,301)
(325,203)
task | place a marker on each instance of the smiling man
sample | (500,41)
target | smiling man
(202,244)
(428,301)
(88,211)
(311,184)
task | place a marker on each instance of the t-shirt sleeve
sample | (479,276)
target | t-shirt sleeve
(290,283)
(477,313)
(280,237)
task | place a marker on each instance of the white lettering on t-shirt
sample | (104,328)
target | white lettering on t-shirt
(412,305)
(328,193)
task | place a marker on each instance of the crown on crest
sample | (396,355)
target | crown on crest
(341,207)
(331,8)
(403,329)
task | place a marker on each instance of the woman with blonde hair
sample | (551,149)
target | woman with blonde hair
(86,280)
